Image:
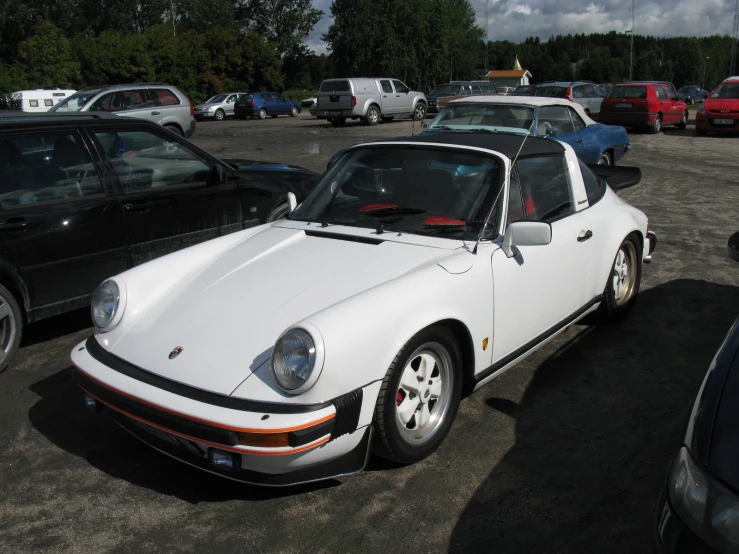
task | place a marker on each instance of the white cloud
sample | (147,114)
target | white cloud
(515,20)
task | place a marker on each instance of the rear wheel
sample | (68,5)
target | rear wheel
(294,111)
(175,129)
(624,281)
(420,112)
(242,117)
(262,114)
(656,125)
(373,116)
(683,122)
(219,115)
(11,327)
(419,397)
(605,159)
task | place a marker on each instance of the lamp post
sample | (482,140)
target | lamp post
(703,84)
(631,61)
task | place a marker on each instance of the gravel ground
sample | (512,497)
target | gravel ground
(565,453)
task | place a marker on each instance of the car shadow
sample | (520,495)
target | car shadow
(61,417)
(597,427)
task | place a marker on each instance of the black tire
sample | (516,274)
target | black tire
(294,111)
(389,441)
(419,112)
(605,159)
(278,212)
(219,115)
(683,122)
(338,121)
(175,129)
(373,116)
(242,117)
(387,118)
(11,327)
(656,125)
(262,114)
(613,308)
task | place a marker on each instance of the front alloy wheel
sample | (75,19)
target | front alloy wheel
(419,397)
(219,115)
(420,112)
(605,159)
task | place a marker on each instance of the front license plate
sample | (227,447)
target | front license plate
(623,105)
(723,121)
(172,439)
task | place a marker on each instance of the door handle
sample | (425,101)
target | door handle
(155,112)
(578,140)
(13,224)
(588,234)
(384,95)
(139,207)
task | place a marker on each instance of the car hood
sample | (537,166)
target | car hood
(718,104)
(227,315)
(212,104)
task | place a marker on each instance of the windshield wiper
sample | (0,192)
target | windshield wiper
(391,210)
(442,127)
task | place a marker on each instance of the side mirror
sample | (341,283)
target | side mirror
(292,202)
(220,174)
(733,246)
(526,233)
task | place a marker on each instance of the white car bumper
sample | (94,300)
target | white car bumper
(229,436)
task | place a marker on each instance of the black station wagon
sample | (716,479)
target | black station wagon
(86,196)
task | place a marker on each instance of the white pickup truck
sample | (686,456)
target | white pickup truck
(371,100)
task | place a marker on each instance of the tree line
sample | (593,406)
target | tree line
(210,46)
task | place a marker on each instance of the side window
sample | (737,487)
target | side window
(555,119)
(578,92)
(231,99)
(33,103)
(670,92)
(278,97)
(266,97)
(545,188)
(386,87)
(107,103)
(595,188)
(476,90)
(165,97)
(400,88)
(515,203)
(661,94)
(136,100)
(49,167)
(48,102)
(577,122)
(144,160)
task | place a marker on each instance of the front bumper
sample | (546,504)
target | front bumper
(650,247)
(324,441)
(708,123)
(671,536)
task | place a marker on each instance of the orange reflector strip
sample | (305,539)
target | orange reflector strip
(264,439)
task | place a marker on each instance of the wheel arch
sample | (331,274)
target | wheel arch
(11,279)
(177,125)
(464,340)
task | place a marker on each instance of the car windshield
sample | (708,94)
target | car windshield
(217,99)
(75,102)
(688,89)
(466,116)
(727,90)
(445,90)
(411,189)
(628,92)
(551,92)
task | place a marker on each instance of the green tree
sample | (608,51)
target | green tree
(283,22)
(46,57)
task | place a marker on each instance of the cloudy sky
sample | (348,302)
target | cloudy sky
(515,20)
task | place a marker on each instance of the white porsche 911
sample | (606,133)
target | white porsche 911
(417,269)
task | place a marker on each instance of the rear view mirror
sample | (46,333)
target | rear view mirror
(733,246)
(526,233)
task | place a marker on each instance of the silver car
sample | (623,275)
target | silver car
(218,107)
(160,103)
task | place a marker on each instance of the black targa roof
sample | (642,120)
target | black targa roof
(505,143)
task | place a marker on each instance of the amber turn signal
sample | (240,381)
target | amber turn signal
(264,440)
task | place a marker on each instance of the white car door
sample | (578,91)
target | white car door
(541,288)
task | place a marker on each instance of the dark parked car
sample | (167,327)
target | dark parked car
(86,196)
(585,93)
(691,94)
(263,104)
(524,90)
(442,94)
(698,510)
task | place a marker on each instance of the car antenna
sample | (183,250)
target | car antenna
(495,203)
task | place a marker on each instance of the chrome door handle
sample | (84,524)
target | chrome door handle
(579,140)
(155,113)
(588,234)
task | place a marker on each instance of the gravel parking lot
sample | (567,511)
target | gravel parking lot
(565,453)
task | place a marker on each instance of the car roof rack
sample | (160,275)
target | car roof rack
(15,116)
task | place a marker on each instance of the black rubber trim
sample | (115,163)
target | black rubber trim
(152,415)
(348,409)
(339,236)
(652,241)
(351,462)
(534,342)
(207,397)
(310,434)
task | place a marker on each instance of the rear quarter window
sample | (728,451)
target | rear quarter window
(166,97)
(628,92)
(335,86)
(595,187)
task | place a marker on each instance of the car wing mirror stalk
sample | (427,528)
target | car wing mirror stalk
(292,202)
(526,233)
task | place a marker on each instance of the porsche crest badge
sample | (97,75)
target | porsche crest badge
(176,352)
(485,343)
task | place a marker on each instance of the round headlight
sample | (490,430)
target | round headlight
(105,303)
(293,359)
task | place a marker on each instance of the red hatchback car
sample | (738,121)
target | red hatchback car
(647,104)
(720,111)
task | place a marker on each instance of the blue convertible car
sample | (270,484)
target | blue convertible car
(542,117)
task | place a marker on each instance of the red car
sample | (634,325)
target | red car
(650,104)
(719,113)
